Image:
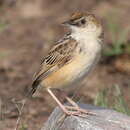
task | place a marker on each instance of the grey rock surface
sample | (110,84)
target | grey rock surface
(105,119)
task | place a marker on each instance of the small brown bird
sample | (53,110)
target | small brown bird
(71,59)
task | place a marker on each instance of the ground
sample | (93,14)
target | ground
(27,31)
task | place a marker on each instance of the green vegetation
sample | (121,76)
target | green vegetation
(2,26)
(118,37)
(112,98)
(3,53)
(23,127)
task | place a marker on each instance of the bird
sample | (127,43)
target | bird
(71,59)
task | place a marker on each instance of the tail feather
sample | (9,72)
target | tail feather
(33,89)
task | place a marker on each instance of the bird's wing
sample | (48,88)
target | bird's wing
(58,56)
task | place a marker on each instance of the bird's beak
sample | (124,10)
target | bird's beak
(66,23)
(69,22)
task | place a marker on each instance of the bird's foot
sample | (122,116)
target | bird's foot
(77,111)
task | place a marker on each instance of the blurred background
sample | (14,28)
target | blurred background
(28,28)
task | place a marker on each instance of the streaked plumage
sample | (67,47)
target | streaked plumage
(60,55)
(73,57)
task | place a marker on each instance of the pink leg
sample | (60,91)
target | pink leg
(65,110)
(76,107)
(72,102)
(57,101)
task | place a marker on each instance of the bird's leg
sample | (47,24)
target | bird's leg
(66,97)
(76,107)
(64,108)
(72,102)
(56,99)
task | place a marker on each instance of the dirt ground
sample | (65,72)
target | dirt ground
(28,28)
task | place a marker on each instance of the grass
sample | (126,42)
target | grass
(2,26)
(118,37)
(112,98)
(23,127)
(4,54)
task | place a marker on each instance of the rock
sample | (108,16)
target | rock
(105,119)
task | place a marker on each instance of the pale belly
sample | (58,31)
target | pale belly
(70,73)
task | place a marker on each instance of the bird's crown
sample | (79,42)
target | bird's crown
(81,19)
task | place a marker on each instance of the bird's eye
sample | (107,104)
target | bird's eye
(83,21)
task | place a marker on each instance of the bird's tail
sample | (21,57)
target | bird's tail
(33,88)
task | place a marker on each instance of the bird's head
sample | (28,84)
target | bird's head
(80,22)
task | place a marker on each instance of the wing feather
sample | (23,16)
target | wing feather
(58,56)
